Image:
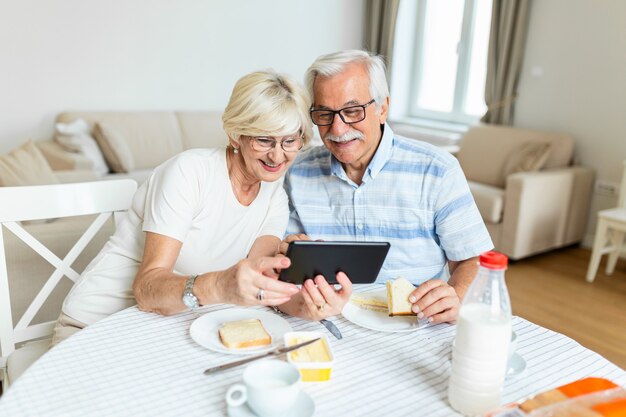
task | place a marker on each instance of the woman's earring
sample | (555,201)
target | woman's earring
(235,150)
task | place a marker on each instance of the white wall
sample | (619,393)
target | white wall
(579,47)
(152,54)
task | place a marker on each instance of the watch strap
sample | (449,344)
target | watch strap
(189,284)
(189,298)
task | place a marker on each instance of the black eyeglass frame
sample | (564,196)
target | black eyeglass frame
(335,112)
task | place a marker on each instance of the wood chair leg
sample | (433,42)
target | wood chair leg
(617,240)
(596,253)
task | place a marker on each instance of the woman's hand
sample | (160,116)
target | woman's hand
(318,299)
(254,282)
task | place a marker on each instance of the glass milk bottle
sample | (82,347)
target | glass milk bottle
(483,334)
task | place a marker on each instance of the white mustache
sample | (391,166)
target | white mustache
(346,137)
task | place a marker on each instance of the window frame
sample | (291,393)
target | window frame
(457,114)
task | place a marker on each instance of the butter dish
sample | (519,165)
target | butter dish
(315,361)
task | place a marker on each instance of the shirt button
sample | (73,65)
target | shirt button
(360,226)
(358,190)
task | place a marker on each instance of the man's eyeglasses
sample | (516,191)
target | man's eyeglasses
(267,143)
(349,115)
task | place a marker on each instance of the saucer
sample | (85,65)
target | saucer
(303,407)
(516,366)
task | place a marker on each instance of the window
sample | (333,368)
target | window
(440,61)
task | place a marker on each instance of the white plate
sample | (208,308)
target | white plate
(380,321)
(304,407)
(203,330)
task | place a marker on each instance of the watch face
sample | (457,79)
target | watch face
(190,300)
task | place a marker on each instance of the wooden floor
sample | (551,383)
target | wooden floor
(550,290)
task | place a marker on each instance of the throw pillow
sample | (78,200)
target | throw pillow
(528,157)
(75,137)
(114,147)
(25,165)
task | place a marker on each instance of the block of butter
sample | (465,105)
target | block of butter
(314,361)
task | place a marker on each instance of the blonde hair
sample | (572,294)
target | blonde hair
(265,103)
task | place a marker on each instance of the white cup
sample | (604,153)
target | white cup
(269,387)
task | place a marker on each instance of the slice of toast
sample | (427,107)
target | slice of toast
(398,292)
(244,333)
(370,301)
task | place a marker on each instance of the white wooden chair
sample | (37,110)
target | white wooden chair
(610,232)
(21,344)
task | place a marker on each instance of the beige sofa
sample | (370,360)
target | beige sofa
(529,194)
(139,140)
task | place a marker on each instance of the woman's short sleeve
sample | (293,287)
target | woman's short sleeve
(172,196)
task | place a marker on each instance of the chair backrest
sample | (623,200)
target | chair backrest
(43,202)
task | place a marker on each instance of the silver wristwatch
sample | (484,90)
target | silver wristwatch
(189,298)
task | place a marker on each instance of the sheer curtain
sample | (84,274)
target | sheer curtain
(509,25)
(380,28)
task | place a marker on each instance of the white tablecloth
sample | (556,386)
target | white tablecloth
(142,364)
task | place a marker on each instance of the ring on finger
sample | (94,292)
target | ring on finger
(321,307)
(260,295)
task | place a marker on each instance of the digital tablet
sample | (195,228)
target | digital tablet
(361,261)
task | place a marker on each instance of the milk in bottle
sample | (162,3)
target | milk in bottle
(483,334)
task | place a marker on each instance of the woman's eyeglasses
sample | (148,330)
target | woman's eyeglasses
(267,143)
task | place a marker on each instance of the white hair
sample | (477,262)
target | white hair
(333,64)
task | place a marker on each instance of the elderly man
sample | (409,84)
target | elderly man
(366,184)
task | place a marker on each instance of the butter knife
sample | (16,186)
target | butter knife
(274,352)
(332,328)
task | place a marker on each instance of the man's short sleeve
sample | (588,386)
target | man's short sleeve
(458,224)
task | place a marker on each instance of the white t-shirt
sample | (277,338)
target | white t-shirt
(190,199)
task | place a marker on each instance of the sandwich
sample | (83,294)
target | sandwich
(398,292)
(243,334)
(370,301)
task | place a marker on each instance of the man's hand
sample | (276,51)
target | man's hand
(322,300)
(290,238)
(440,301)
(318,299)
(436,300)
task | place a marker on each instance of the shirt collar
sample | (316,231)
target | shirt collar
(382,155)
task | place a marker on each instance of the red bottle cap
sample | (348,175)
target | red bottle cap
(493,260)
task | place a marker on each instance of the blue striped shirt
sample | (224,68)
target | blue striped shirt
(413,195)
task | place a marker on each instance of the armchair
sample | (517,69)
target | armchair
(530,196)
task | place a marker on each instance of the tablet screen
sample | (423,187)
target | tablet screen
(361,261)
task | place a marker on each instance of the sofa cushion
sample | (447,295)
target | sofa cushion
(486,149)
(151,137)
(527,157)
(489,200)
(76,137)
(202,129)
(114,147)
(25,166)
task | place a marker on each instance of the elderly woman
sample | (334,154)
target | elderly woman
(206,226)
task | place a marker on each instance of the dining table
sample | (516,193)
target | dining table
(136,363)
